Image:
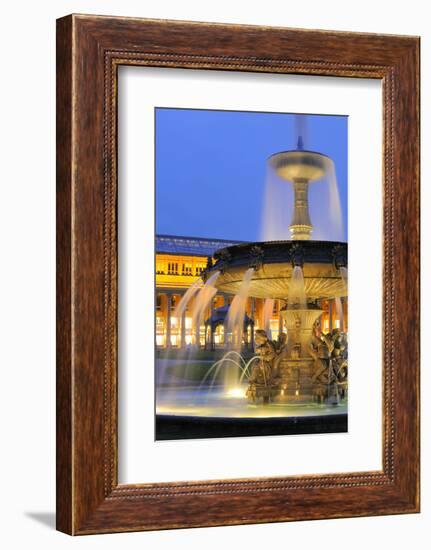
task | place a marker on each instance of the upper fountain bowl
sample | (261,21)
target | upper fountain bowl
(299,165)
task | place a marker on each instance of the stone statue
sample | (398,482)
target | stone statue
(265,374)
(329,352)
(339,361)
(320,349)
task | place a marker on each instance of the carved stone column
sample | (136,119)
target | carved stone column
(301,227)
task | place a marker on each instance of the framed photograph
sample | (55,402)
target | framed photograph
(237,274)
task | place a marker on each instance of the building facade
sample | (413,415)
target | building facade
(179,263)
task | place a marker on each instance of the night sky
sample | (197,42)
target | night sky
(211,167)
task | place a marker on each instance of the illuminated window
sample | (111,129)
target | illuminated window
(175,340)
(187,269)
(160,332)
(173,268)
(160,269)
(188,330)
(202,336)
(219,335)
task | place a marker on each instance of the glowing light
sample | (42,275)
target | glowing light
(235,392)
(297,392)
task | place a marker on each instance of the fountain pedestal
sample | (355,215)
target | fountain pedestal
(296,384)
(299,322)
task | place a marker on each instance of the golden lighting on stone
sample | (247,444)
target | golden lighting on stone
(321,281)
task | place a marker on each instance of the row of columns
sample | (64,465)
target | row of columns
(167,308)
(254,311)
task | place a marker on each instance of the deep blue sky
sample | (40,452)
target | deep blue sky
(211,167)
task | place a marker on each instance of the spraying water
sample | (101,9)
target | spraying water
(344,276)
(300,130)
(325,206)
(297,297)
(335,216)
(235,319)
(178,313)
(277,206)
(230,359)
(235,324)
(203,300)
(268,308)
(340,313)
(184,302)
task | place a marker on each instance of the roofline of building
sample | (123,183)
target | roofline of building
(199,238)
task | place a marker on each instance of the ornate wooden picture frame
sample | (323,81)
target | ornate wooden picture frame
(89,51)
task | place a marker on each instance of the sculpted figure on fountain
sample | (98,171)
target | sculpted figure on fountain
(265,375)
(329,352)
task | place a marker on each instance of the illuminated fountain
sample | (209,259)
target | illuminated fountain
(301,273)
(305,367)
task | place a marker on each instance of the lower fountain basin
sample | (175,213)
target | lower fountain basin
(213,402)
(192,413)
